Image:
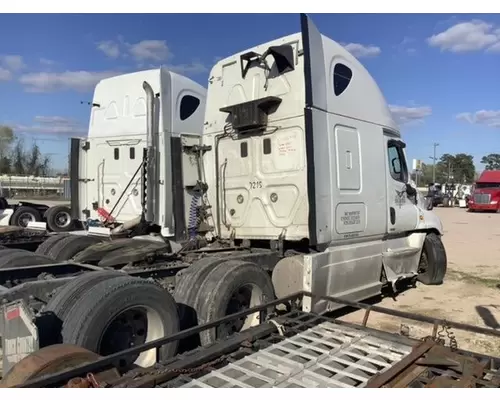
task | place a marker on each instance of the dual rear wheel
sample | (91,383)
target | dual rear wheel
(110,311)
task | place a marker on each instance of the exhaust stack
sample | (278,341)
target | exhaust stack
(151,178)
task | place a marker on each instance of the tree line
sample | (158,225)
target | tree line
(18,159)
(457,168)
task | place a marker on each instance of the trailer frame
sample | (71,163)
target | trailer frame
(427,365)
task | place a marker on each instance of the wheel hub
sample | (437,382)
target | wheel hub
(26,218)
(62,219)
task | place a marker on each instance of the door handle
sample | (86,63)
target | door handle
(392,213)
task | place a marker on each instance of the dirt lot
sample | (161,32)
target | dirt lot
(471,291)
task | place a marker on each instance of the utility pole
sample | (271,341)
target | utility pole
(434,163)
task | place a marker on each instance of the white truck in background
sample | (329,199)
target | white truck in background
(297,181)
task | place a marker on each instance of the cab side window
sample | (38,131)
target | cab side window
(397,162)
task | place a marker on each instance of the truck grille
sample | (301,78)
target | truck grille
(482,198)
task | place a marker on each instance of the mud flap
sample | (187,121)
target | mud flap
(19,333)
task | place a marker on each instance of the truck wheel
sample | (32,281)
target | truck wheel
(47,244)
(59,219)
(231,287)
(121,313)
(70,293)
(22,258)
(186,291)
(23,215)
(433,262)
(71,245)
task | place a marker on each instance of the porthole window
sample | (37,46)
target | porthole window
(189,104)
(342,76)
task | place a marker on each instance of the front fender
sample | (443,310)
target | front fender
(428,220)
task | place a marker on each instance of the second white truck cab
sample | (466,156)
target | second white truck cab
(107,169)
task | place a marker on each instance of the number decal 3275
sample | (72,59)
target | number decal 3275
(255,184)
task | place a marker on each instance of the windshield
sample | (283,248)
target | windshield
(487,185)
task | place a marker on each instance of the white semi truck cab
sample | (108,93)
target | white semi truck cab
(107,179)
(288,176)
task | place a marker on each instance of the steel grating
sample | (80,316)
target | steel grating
(326,355)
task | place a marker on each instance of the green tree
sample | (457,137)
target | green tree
(491,161)
(457,168)
(15,159)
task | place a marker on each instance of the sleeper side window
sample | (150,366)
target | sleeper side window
(189,104)
(397,162)
(342,76)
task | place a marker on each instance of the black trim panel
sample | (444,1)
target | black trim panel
(74,179)
(308,122)
(178,189)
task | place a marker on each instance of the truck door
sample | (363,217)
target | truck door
(402,212)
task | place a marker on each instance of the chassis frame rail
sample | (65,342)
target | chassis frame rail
(201,358)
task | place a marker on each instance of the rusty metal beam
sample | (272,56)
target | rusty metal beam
(381,379)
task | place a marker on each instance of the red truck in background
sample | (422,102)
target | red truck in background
(486,193)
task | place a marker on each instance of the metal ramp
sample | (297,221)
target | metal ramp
(326,355)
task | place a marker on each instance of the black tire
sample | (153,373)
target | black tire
(4,204)
(188,287)
(70,293)
(45,247)
(433,262)
(220,285)
(87,321)
(12,258)
(17,218)
(54,217)
(70,246)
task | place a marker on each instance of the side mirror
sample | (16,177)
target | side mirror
(412,192)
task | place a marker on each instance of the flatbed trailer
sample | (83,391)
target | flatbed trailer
(297,349)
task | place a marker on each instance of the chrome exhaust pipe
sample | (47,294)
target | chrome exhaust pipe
(152,181)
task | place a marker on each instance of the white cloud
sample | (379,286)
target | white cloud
(46,61)
(5,74)
(52,125)
(12,62)
(149,50)
(361,51)
(489,118)
(81,81)
(188,69)
(405,115)
(110,48)
(468,36)
(405,46)
(145,50)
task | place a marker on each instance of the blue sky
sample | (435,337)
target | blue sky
(440,73)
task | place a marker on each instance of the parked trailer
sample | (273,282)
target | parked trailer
(56,218)
(288,349)
(297,181)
